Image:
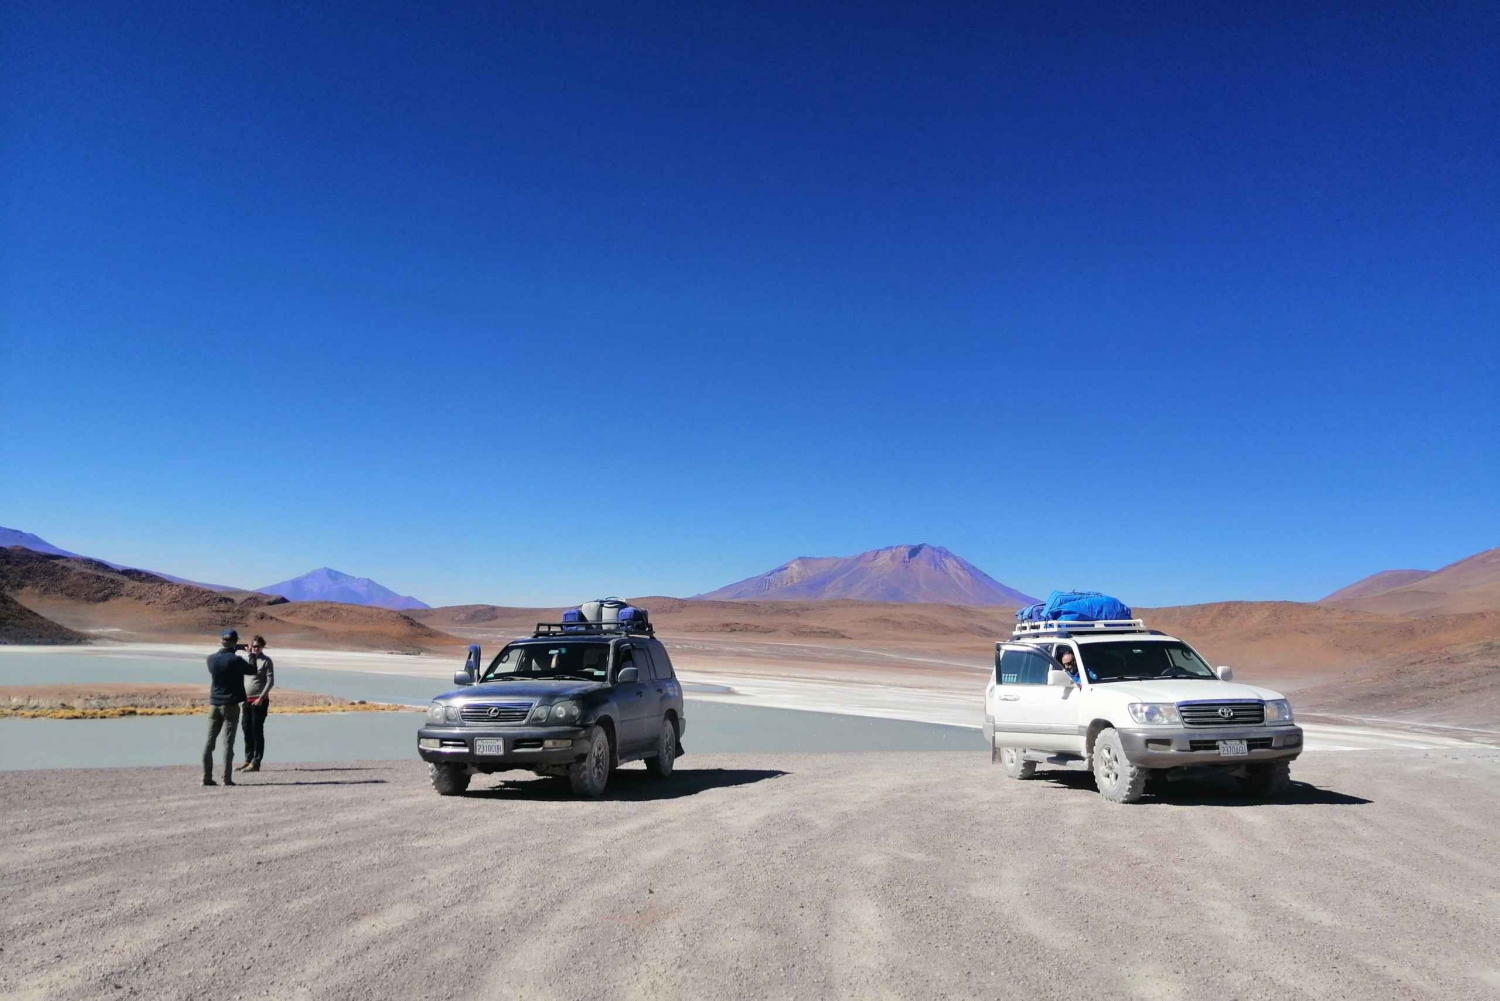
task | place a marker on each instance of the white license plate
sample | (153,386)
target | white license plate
(1233,748)
(494,745)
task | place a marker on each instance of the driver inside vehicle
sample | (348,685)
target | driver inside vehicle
(1069,664)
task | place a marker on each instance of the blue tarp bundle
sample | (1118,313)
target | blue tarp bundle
(1075,606)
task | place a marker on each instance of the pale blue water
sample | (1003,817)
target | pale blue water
(713,727)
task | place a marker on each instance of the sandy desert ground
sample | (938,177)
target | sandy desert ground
(799,876)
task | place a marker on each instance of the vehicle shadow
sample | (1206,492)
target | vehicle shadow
(252,784)
(1209,790)
(632,785)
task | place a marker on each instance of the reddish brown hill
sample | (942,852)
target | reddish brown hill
(92,597)
(19,624)
(1469,585)
(1376,583)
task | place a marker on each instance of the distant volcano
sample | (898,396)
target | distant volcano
(326,584)
(920,573)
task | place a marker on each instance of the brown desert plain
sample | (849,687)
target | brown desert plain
(1405,643)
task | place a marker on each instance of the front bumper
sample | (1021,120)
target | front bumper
(1171,747)
(525,746)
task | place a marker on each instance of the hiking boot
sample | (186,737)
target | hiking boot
(228,780)
(209,781)
(243,767)
(253,767)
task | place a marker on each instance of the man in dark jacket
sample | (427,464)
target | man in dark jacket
(226,692)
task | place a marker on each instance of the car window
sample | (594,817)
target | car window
(645,663)
(1008,666)
(626,658)
(550,660)
(663,664)
(1034,670)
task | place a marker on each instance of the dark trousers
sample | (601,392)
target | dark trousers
(254,719)
(218,718)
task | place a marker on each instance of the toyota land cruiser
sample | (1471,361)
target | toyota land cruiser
(1140,702)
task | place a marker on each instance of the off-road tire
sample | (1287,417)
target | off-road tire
(1118,780)
(666,751)
(448,779)
(589,776)
(1268,781)
(1016,766)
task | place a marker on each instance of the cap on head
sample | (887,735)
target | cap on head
(230,637)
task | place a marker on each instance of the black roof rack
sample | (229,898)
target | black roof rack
(594,629)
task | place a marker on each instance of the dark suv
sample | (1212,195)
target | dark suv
(573,701)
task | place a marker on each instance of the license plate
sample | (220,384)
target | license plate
(487,745)
(1233,748)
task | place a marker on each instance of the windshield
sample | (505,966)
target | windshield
(581,660)
(1137,661)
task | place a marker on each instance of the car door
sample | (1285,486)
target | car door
(630,699)
(1026,711)
(655,692)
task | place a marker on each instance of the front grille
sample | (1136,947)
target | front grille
(1253,744)
(1222,713)
(496,712)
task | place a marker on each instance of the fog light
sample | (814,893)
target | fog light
(556,745)
(431,743)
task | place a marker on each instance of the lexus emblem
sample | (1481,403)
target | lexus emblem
(495,711)
(1224,711)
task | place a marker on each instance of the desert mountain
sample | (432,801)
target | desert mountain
(91,597)
(1469,585)
(910,574)
(1376,583)
(326,584)
(15,537)
(19,624)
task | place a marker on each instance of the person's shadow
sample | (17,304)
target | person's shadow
(1208,790)
(631,784)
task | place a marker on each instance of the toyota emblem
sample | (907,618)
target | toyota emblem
(1224,711)
(494,711)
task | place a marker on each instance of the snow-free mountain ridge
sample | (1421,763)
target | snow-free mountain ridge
(37,544)
(327,584)
(919,573)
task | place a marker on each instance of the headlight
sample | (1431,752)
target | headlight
(451,714)
(540,713)
(1278,711)
(566,712)
(1154,713)
(435,713)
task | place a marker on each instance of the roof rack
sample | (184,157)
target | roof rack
(593,629)
(1101,626)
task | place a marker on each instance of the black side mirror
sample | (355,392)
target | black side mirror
(627,676)
(463,678)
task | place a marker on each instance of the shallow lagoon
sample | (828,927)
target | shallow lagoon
(178,740)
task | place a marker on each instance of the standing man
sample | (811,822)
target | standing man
(226,690)
(257,704)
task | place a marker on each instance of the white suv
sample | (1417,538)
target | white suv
(1140,701)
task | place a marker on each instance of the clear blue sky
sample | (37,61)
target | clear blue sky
(532,302)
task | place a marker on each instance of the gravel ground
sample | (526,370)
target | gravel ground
(808,876)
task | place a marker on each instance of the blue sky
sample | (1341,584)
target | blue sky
(526,303)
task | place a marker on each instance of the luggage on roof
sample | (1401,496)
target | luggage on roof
(1076,606)
(602,609)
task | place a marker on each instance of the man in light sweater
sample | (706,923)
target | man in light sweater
(257,704)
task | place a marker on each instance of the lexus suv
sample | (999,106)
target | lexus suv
(574,701)
(1131,702)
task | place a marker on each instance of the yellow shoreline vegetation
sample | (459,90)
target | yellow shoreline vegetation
(118,712)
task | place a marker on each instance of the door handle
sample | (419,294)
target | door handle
(1010,698)
(661,691)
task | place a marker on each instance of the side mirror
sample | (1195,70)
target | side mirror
(463,678)
(1058,679)
(628,676)
(1224,673)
